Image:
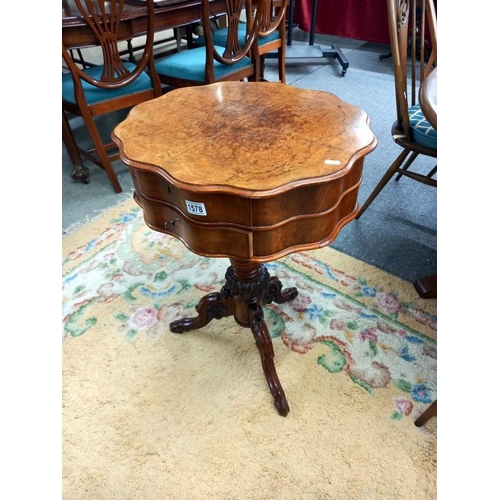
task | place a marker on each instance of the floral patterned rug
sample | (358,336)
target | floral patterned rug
(355,352)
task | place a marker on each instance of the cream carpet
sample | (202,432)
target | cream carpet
(148,414)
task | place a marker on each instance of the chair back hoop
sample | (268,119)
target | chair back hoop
(409,21)
(104,17)
(432,24)
(233,51)
(269,22)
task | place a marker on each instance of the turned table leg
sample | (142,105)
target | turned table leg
(248,287)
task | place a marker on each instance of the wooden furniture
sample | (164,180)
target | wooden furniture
(107,87)
(427,97)
(428,38)
(411,130)
(134,22)
(212,63)
(79,171)
(271,36)
(430,412)
(250,172)
(167,15)
(427,285)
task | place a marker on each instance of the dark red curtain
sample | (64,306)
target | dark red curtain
(358,19)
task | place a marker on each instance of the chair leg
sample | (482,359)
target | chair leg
(429,413)
(262,66)
(101,151)
(281,65)
(385,179)
(79,171)
(433,171)
(406,166)
(258,66)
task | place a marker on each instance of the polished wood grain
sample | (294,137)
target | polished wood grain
(270,137)
(272,169)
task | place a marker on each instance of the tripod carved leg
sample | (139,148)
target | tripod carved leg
(265,346)
(215,305)
(248,286)
(275,292)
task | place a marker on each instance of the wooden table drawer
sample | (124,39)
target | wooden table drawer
(213,207)
(209,239)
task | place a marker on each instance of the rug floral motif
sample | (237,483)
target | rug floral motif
(373,334)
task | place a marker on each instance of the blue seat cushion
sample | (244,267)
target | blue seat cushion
(219,37)
(95,94)
(190,65)
(423,133)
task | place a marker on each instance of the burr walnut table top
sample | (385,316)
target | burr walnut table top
(246,136)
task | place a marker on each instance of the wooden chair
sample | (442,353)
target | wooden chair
(107,87)
(213,63)
(411,130)
(271,36)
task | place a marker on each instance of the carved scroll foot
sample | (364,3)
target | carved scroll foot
(276,293)
(213,306)
(265,346)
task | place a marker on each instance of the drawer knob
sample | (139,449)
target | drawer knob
(170,224)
